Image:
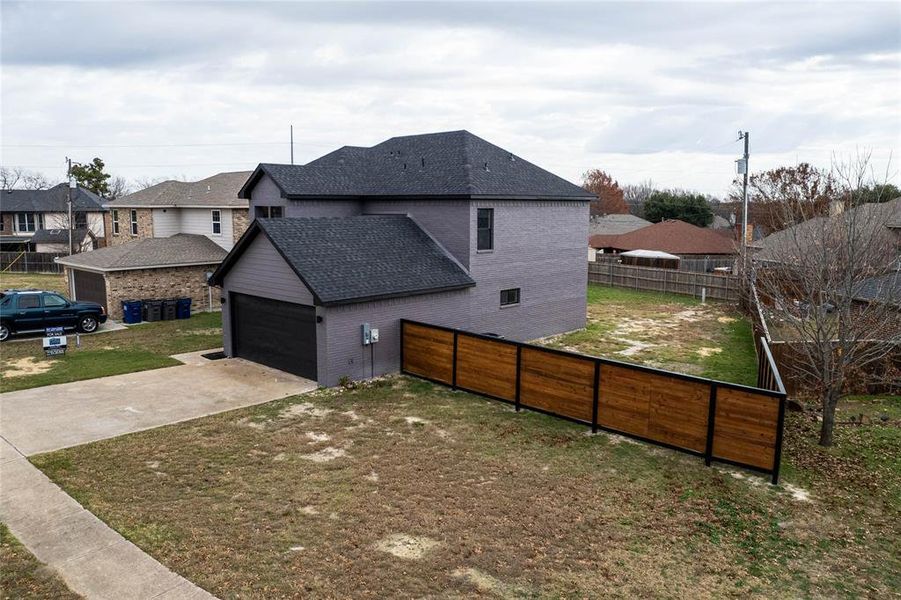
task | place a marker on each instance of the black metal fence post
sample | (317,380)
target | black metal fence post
(518,371)
(597,388)
(711,422)
(777,458)
(454,366)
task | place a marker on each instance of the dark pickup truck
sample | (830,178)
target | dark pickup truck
(24,311)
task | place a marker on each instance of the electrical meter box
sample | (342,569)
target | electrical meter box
(367,334)
(374,335)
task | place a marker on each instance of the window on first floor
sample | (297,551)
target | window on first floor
(29,221)
(510,297)
(485,229)
(217,222)
(134,222)
(268,212)
(115,218)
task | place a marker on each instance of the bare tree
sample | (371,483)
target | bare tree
(118,187)
(18,178)
(635,196)
(831,285)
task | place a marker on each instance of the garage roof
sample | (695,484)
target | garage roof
(180,250)
(355,259)
(454,164)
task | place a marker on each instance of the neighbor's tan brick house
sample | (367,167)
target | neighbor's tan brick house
(209,207)
(152,268)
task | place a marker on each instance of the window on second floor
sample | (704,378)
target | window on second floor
(115,218)
(268,212)
(29,222)
(81,220)
(485,229)
(217,222)
(134,222)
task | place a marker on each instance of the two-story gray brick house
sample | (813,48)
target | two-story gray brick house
(444,228)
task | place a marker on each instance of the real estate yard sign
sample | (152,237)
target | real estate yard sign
(54,341)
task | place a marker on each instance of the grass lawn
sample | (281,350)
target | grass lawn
(52,283)
(23,576)
(317,495)
(666,331)
(137,348)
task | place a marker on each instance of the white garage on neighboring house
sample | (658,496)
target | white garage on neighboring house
(151,268)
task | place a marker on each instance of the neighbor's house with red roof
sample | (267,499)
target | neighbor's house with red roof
(674,237)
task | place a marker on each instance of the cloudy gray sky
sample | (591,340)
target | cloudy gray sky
(643,90)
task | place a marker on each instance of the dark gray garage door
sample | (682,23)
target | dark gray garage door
(90,287)
(274,333)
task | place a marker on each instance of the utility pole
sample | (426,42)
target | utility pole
(71,186)
(743,169)
(292,144)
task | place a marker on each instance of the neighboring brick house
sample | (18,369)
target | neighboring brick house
(23,213)
(152,268)
(445,228)
(209,207)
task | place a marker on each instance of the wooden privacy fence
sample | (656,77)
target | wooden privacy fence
(718,421)
(717,287)
(30,262)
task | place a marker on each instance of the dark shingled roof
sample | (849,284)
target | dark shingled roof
(355,259)
(50,200)
(58,236)
(453,163)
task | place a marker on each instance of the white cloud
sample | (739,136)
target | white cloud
(644,91)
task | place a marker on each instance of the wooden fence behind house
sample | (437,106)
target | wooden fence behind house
(694,265)
(718,287)
(30,262)
(719,421)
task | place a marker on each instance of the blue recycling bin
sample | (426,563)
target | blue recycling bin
(131,311)
(183,308)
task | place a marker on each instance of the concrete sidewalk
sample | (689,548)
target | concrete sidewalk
(91,558)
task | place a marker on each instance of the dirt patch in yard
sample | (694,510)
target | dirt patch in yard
(406,546)
(675,333)
(27,365)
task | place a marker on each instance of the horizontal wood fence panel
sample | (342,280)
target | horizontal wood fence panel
(720,421)
(667,410)
(744,427)
(557,383)
(428,352)
(486,366)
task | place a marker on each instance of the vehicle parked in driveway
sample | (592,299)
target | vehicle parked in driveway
(28,311)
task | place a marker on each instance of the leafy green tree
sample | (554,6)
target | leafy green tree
(875,193)
(92,177)
(690,207)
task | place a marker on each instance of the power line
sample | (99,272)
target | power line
(198,145)
(246,163)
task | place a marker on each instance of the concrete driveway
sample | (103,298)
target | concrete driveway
(58,416)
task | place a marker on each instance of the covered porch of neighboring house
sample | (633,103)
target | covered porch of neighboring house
(152,268)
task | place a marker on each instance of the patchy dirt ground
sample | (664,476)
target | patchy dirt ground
(667,331)
(443,494)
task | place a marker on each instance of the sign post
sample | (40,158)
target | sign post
(54,341)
